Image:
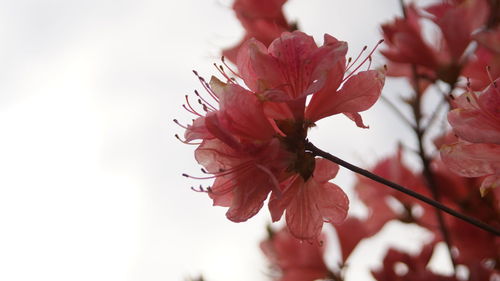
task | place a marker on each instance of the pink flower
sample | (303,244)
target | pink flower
(238,149)
(405,41)
(262,19)
(486,57)
(402,266)
(457,20)
(476,121)
(295,260)
(294,67)
(409,51)
(310,202)
(254,141)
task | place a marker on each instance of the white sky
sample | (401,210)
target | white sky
(90,173)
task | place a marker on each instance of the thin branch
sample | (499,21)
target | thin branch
(435,114)
(398,112)
(318,152)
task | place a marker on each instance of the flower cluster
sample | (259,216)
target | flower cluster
(253,137)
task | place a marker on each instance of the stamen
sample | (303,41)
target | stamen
(189,108)
(488,70)
(368,57)
(204,101)
(200,189)
(357,58)
(205,85)
(186,142)
(182,126)
(230,69)
(220,69)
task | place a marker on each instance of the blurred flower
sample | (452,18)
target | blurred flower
(485,63)
(411,55)
(262,19)
(402,266)
(294,260)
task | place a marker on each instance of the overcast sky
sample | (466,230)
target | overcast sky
(90,173)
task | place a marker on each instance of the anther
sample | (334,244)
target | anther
(178,123)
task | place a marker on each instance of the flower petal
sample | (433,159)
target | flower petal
(325,170)
(259,70)
(358,93)
(472,160)
(303,217)
(249,194)
(243,115)
(332,202)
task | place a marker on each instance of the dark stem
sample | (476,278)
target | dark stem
(427,172)
(318,152)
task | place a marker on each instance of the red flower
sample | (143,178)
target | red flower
(294,259)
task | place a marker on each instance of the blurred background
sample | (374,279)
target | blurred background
(90,171)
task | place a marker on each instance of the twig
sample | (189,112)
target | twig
(398,112)
(318,152)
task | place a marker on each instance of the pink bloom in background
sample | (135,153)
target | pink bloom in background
(294,260)
(402,266)
(405,41)
(262,19)
(457,20)
(408,51)
(476,121)
(486,60)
